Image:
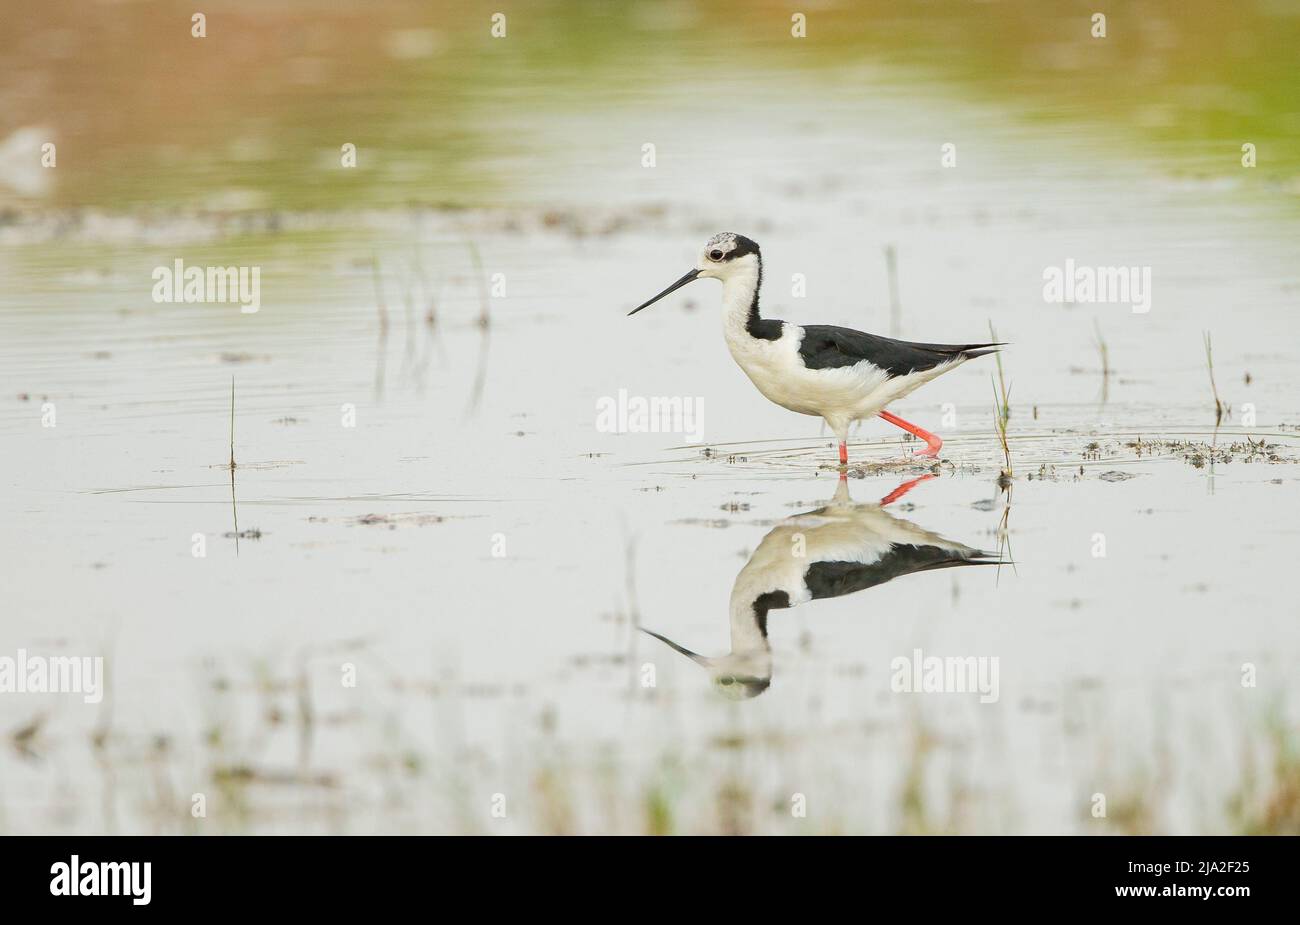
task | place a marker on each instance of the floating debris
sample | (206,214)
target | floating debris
(391,521)
(24,738)
(247,775)
(252,533)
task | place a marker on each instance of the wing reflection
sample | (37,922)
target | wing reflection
(835,550)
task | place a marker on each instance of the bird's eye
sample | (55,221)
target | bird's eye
(727,682)
(715,255)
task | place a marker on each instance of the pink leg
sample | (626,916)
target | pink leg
(844,453)
(904,489)
(932,441)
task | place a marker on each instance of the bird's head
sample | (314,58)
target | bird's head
(725,256)
(736,675)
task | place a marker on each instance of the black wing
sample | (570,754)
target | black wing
(833,579)
(825,346)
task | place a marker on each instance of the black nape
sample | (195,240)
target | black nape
(769,600)
(761,328)
(743,246)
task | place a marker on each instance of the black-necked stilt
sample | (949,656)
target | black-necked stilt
(839,374)
(846,547)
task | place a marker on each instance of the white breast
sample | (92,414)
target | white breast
(840,395)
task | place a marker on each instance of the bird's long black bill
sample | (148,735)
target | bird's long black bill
(673,288)
(698,659)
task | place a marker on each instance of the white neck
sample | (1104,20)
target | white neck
(738,291)
(747,637)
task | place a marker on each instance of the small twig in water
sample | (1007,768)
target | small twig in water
(1104,350)
(1000,427)
(232,422)
(1004,539)
(234,511)
(485,314)
(380,305)
(1002,382)
(1220,409)
(485,325)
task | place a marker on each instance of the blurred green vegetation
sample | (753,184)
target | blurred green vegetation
(253,115)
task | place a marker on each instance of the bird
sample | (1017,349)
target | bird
(835,373)
(838,549)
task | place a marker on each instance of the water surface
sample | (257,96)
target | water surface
(481,555)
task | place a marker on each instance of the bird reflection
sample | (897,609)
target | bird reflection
(835,550)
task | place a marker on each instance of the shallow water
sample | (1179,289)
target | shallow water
(481,554)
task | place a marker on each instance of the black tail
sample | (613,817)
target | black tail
(965,350)
(970,351)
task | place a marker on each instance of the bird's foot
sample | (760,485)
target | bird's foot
(933,442)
